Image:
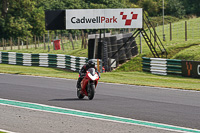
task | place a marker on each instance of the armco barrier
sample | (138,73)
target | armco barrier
(45,60)
(162,66)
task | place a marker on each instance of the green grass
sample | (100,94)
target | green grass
(38,71)
(191,53)
(133,78)
(68,50)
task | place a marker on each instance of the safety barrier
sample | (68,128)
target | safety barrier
(162,66)
(46,60)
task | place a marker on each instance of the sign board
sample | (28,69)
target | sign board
(187,68)
(196,69)
(191,69)
(55,19)
(104,18)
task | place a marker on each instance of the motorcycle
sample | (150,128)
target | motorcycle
(88,84)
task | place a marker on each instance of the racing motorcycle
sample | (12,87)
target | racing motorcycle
(88,84)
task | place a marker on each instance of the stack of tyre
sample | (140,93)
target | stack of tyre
(120,47)
(128,47)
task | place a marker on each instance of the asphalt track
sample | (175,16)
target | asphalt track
(160,105)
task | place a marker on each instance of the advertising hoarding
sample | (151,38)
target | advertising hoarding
(104,18)
(191,69)
(55,20)
(196,69)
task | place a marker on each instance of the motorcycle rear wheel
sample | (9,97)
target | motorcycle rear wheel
(91,91)
(79,95)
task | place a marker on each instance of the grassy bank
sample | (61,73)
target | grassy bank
(133,78)
(177,48)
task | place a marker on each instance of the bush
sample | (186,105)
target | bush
(159,20)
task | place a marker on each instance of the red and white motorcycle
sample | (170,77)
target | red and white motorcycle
(88,84)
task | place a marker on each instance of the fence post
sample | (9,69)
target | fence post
(75,38)
(150,34)
(52,36)
(95,46)
(22,43)
(3,43)
(18,43)
(65,39)
(10,41)
(71,39)
(82,39)
(170,31)
(155,39)
(44,41)
(38,42)
(79,37)
(85,46)
(26,42)
(185,30)
(140,43)
(35,41)
(62,42)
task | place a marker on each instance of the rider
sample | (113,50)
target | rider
(82,72)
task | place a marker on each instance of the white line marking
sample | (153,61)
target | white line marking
(6,131)
(96,114)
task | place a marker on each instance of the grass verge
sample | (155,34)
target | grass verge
(133,78)
(68,50)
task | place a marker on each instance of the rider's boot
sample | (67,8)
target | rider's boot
(79,84)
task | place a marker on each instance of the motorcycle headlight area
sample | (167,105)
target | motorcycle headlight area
(92,77)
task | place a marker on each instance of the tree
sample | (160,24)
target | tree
(150,6)
(175,8)
(37,21)
(20,18)
(192,6)
(4,8)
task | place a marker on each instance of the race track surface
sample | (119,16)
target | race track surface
(160,105)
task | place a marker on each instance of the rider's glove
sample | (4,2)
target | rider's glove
(99,74)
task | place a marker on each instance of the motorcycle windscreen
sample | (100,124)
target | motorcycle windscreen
(91,71)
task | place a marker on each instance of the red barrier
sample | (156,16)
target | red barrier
(56,44)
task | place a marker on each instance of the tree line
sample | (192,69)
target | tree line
(21,18)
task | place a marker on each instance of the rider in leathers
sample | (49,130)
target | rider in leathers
(82,72)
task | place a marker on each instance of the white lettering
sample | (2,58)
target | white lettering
(198,69)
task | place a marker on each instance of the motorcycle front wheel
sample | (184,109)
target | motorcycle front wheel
(91,91)
(79,95)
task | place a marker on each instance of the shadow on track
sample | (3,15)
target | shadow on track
(69,99)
